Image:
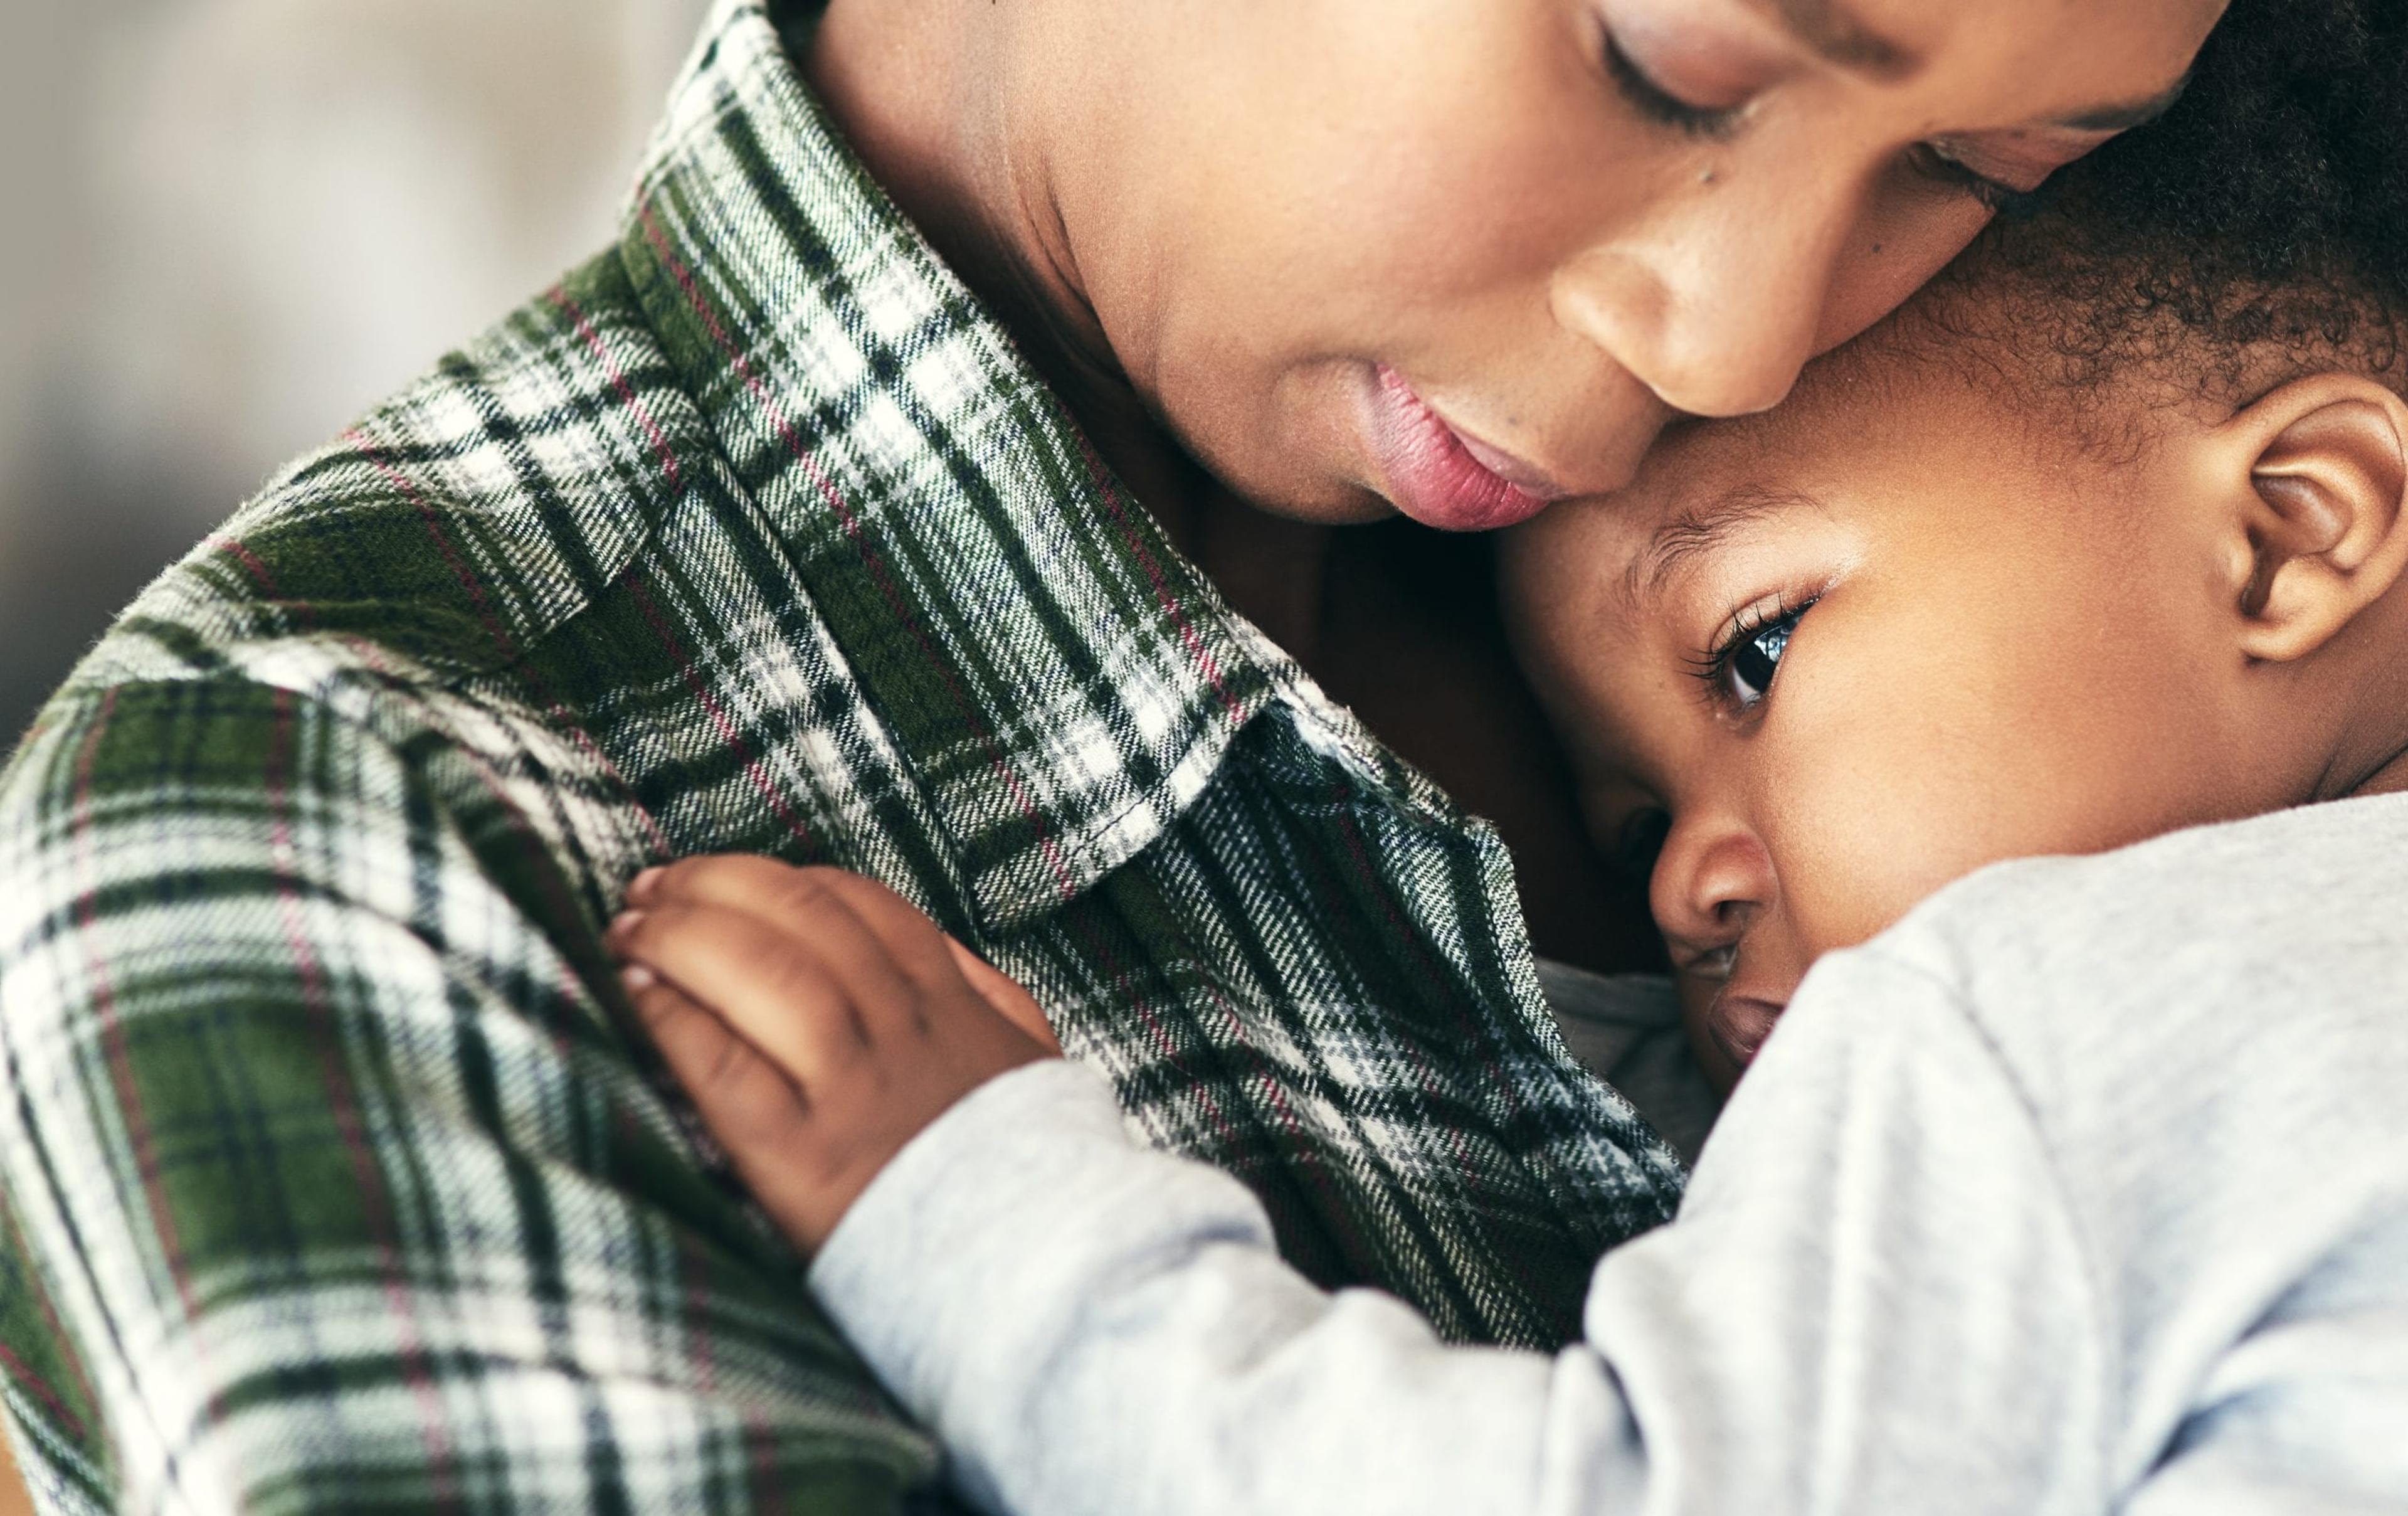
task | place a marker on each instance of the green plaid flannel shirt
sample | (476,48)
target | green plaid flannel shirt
(335,1175)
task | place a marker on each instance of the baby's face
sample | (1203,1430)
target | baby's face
(1815,665)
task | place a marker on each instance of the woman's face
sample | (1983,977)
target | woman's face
(1462,257)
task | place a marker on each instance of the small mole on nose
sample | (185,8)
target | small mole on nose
(1705,176)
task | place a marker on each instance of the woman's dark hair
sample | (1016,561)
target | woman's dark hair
(2268,211)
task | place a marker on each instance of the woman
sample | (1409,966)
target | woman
(336,1174)
(1513,242)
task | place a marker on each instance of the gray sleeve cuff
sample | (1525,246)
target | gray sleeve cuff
(978,1245)
(882,1232)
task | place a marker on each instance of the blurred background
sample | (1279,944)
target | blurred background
(232,224)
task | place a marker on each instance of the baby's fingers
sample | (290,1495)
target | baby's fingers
(756,1113)
(743,881)
(772,988)
(877,944)
(798,897)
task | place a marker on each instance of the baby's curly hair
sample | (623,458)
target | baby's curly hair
(2256,230)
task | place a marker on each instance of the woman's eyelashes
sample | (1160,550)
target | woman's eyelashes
(1714,115)
(1999,199)
(1740,672)
(1660,104)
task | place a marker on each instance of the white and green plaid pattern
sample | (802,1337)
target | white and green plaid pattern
(335,1175)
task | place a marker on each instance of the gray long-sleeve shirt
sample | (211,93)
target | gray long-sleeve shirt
(2084,1188)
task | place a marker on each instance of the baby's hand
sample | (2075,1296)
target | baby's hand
(818,1019)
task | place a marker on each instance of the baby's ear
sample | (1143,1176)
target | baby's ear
(2316,476)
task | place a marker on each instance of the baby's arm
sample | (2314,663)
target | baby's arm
(1870,1302)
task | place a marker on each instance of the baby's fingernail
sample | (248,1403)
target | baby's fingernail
(644,883)
(625,922)
(637,978)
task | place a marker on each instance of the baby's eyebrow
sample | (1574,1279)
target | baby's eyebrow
(1704,529)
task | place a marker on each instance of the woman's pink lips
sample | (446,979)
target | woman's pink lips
(1514,471)
(1439,477)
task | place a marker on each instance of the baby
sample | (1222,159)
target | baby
(2081,1183)
(2006,578)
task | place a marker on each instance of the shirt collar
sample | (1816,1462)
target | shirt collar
(1060,682)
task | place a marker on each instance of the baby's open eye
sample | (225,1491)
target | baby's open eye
(1742,671)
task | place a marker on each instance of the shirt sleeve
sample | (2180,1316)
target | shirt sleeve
(1872,1300)
(341,1185)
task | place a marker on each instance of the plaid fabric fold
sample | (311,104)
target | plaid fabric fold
(335,1177)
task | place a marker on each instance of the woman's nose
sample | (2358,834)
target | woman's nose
(1712,881)
(1718,303)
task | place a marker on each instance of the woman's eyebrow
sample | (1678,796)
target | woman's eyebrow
(1703,531)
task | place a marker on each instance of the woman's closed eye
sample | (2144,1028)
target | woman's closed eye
(1740,672)
(1941,166)
(1660,103)
(1677,72)
(1677,66)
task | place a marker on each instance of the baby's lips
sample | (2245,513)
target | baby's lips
(1710,963)
(1739,1023)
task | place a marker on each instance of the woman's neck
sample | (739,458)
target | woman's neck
(935,99)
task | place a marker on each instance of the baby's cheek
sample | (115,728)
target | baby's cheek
(1853,857)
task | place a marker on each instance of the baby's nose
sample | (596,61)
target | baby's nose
(1713,880)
